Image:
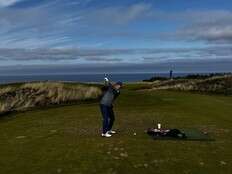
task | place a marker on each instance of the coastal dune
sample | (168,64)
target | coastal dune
(18,97)
(214,85)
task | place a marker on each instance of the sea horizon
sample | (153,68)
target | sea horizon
(89,77)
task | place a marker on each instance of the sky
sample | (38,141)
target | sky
(115,36)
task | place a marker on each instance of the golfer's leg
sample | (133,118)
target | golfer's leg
(112,118)
(105,116)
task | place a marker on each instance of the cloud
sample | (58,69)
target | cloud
(63,24)
(5,3)
(211,26)
(117,55)
(48,24)
(110,68)
(68,25)
(119,14)
(102,59)
(212,34)
(21,55)
(190,54)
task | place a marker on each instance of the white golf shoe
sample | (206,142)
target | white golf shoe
(107,135)
(112,132)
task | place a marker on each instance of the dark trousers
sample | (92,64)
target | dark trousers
(108,118)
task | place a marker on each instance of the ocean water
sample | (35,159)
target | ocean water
(82,77)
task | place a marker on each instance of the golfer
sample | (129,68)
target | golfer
(106,106)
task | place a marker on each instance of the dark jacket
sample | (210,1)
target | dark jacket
(109,96)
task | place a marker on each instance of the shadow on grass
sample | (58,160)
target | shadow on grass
(11,114)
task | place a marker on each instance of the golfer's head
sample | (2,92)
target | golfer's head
(118,85)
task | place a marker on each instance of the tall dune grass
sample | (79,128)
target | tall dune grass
(31,95)
(216,85)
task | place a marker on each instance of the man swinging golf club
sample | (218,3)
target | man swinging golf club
(106,106)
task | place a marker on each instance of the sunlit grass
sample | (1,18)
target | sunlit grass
(31,95)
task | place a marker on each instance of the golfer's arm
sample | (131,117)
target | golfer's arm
(109,84)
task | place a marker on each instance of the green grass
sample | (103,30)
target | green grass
(66,139)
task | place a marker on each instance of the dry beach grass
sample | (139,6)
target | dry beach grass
(30,95)
(213,85)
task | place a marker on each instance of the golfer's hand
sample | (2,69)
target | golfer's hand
(106,79)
